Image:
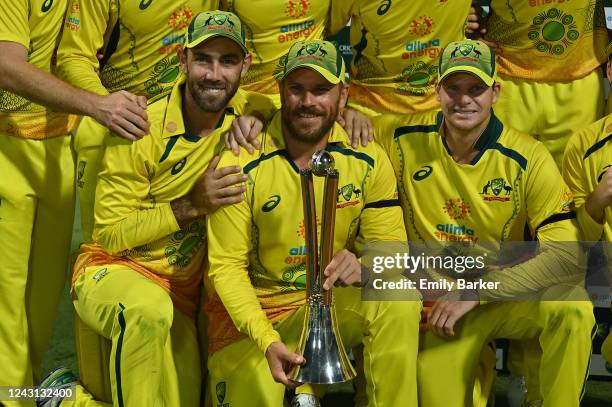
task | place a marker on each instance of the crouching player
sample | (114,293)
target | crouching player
(139,283)
(488,181)
(587,169)
(256,302)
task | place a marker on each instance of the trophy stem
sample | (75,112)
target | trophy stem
(328,221)
(310,233)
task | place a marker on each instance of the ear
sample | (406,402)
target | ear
(344,92)
(496,89)
(181,53)
(437,89)
(246,65)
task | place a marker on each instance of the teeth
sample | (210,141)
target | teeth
(309,116)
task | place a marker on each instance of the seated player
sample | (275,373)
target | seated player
(487,181)
(256,300)
(587,169)
(139,283)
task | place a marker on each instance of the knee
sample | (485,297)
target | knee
(570,315)
(152,316)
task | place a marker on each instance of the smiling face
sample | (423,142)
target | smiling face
(213,70)
(310,105)
(466,101)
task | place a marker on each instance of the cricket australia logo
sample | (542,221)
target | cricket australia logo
(345,194)
(456,208)
(219,19)
(311,49)
(496,189)
(465,50)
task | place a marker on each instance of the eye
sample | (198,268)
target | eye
(229,60)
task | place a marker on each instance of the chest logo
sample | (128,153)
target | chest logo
(271,203)
(297,8)
(423,173)
(46,6)
(178,167)
(385,5)
(144,4)
(456,208)
(496,189)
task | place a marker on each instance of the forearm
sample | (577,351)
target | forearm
(81,73)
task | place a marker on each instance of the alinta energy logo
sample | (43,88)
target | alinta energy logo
(456,208)
(421,26)
(496,189)
(553,31)
(297,9)
(180,18)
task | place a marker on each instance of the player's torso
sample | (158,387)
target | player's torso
(449,202)
(271,28)
(278,255)
(396,46)
(18,116)
(554,39)
(141,44)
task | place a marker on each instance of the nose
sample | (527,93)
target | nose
(214,72)
(308,99)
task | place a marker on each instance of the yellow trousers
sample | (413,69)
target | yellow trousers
(36,214)
(551,112)
(239,374)
(562,328)
(154,357)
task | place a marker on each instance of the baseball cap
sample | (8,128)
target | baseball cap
(321,56)
(209,24)
(470,56)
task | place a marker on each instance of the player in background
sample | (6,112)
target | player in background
(139,282)
(36,191)
(484,181)
(587,170)
(256,308)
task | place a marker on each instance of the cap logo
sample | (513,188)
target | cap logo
(219,19)
(311,49)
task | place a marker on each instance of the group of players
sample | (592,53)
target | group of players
(165,206)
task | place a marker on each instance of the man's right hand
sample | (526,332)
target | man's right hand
(215,188)
(282,362)
(601,198)
(123,113)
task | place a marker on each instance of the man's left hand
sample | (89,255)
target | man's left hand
(244,132)
(357,125)
(448,309)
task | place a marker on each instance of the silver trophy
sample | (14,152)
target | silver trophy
(320,342)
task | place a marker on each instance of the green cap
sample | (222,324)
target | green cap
(470,56)
(321,56)
(210,24)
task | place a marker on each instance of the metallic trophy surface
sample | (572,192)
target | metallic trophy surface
(320,342)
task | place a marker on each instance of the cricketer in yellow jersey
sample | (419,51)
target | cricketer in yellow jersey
(139,43)
(586,169)
(453,157)
(36,195)
(257,275)
(139,283)
(549,51)
(396,45)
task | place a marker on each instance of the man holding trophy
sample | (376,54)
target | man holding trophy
(259,250)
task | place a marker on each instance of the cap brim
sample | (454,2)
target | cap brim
(488,80)
(329,77)
(208,37)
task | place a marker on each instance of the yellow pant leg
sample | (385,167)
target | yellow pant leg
(36,212)
(154,357)
(606,348)
(563,329)
(551,112)
(89,148)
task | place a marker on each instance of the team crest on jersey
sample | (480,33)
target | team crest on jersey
(568,202)
(496,189)
(456,208)
(297,8)
(553,31)
(422,26)
(345,194)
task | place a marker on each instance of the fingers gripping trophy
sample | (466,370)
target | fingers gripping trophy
(320,341)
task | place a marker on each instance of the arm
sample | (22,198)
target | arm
(339,15)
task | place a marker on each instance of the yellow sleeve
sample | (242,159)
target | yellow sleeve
(549,212)
(125,214)
(574,175)
(14,25)
(381,218)
(255,103)
(340,14)
(229,244)
(383,131)
(76,56)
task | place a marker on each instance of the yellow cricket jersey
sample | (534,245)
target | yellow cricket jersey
(133,217)
(548,40)
(396,46)
(139,40)
(257,247)
(587,157)
(271,28)
(35,24)
(511,183)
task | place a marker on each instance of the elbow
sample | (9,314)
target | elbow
(109,240)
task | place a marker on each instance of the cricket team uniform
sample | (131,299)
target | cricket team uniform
(139,40)
(396,46)
(272,27)
(511,183)
(548,67)
(587,157)
(36,200)
(257,273)
(139,284)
